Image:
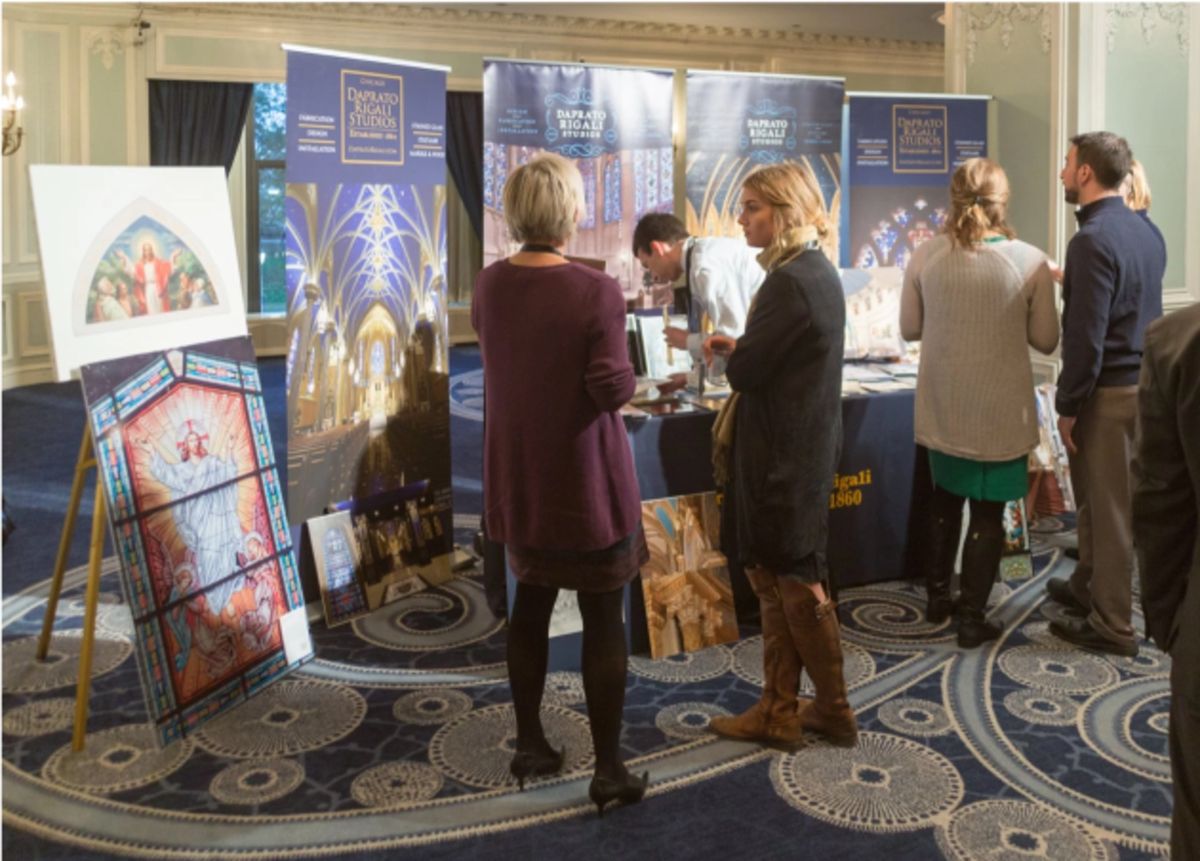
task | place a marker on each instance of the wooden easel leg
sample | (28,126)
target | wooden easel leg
(95,555)
(82,464)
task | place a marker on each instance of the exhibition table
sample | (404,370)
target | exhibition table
(879,480)
(879,500)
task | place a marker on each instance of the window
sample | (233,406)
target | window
(266,129)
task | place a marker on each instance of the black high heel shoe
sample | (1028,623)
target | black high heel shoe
(525,764)
(603,791)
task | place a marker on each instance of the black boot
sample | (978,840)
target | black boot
(945,524)
(981,561)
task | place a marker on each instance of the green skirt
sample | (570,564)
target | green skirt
(977,479)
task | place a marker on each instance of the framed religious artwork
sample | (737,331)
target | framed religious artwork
(197,516)
(149,263)
(873,314)
(373,551)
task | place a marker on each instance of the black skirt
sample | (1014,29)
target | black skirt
(600,570)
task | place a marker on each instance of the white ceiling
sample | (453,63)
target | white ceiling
(900,20)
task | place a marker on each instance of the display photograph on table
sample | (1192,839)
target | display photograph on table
(340,575)
(685,585)
(613,122)
(737,122)
(198,519)
(367,362)
(377,550)
(1052,492)
(659,360)
(873,313)
(149,263)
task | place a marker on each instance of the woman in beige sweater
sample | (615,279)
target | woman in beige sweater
(976,297)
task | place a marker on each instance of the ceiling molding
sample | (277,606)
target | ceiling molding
(1148,15)
(515,35)
(522,23)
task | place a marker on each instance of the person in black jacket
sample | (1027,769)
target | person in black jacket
(786,373)
(1166,526)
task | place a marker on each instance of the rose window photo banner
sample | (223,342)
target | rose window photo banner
(903,150)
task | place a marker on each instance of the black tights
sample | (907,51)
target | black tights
(982,550)
(604,660)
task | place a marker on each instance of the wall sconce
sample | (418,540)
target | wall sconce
(11,105)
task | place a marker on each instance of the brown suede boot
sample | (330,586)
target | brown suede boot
(815,631)
(773,719)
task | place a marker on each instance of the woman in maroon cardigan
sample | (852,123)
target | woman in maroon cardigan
(559,487)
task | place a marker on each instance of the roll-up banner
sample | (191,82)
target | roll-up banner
(736,122)
(903,150)
(368,408)
(613,122)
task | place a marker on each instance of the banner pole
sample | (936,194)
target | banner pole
(83,463)
(95,554)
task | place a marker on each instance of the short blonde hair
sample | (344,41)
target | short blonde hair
(543,199)
(978,202)
(792,190)
(1136,188)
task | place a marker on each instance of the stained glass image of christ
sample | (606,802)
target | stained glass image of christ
(208,645)
(147,270)
(199,521)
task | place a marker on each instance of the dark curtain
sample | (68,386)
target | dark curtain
(197,123)
(464,152)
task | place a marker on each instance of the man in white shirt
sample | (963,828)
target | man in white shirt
(721,275)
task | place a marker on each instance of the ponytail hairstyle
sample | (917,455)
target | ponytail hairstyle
(1136,189)
(978,202)
(792,190)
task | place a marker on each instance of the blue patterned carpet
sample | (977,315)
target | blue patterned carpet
(395,741)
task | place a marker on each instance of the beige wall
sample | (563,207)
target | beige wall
(84,76)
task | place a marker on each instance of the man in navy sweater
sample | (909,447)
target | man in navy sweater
(1112,290)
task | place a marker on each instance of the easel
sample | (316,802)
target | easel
(83,463)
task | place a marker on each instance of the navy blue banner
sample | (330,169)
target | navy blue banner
(902,152)
(736,122)
(367,363)
(614,123)
(364,121)
(577,111)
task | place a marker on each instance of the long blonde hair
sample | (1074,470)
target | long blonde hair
(792,190)
(1136,188)
(978,202)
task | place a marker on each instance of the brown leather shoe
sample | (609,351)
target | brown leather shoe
(817,635)
(773,719)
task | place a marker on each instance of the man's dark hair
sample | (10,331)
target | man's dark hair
(657,227)
(1107,154)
